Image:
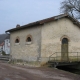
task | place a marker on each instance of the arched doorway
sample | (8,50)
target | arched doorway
(64,49)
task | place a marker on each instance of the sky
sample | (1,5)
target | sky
(13,12)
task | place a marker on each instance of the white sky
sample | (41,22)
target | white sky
(13,12)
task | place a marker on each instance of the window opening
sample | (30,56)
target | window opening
(28,39)
(17,41)
(64,41)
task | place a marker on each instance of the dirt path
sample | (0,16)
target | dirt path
(17,72)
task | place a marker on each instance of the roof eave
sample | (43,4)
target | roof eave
(41,22)
(24,26)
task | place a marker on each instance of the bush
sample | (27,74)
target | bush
(3,53)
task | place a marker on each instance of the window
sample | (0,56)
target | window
(9,41)
(29,39)
(64,41)
(17,40)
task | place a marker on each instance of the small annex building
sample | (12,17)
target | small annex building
(58,36)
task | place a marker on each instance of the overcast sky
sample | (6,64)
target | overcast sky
(13,12)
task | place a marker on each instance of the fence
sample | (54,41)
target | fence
(5,58)
(71,57)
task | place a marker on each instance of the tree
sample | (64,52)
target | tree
(72,7)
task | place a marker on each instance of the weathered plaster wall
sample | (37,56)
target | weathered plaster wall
(29,52)
(52,32)
(46,40)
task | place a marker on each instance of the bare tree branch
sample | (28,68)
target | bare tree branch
(72,7)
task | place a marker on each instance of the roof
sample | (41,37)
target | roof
(3,37)
(2,44)
(41,22)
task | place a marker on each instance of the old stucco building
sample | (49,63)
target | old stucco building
(37,41)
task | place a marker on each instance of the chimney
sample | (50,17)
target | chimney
(17,26)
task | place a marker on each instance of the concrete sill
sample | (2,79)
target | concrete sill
(28,43)
(16,44)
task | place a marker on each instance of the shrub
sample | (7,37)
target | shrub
(3,53)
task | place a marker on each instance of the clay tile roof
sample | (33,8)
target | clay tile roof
(41,22)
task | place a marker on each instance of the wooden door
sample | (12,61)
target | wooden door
(64,50)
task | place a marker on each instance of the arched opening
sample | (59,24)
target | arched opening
(29,39)
(64,49)
(64,41)
(17,40)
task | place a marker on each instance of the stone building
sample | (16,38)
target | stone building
(39,40)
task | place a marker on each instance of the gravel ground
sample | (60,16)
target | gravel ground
(20,72)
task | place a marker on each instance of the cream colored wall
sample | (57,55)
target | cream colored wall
(52,33)
(29,52)
(46,40)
